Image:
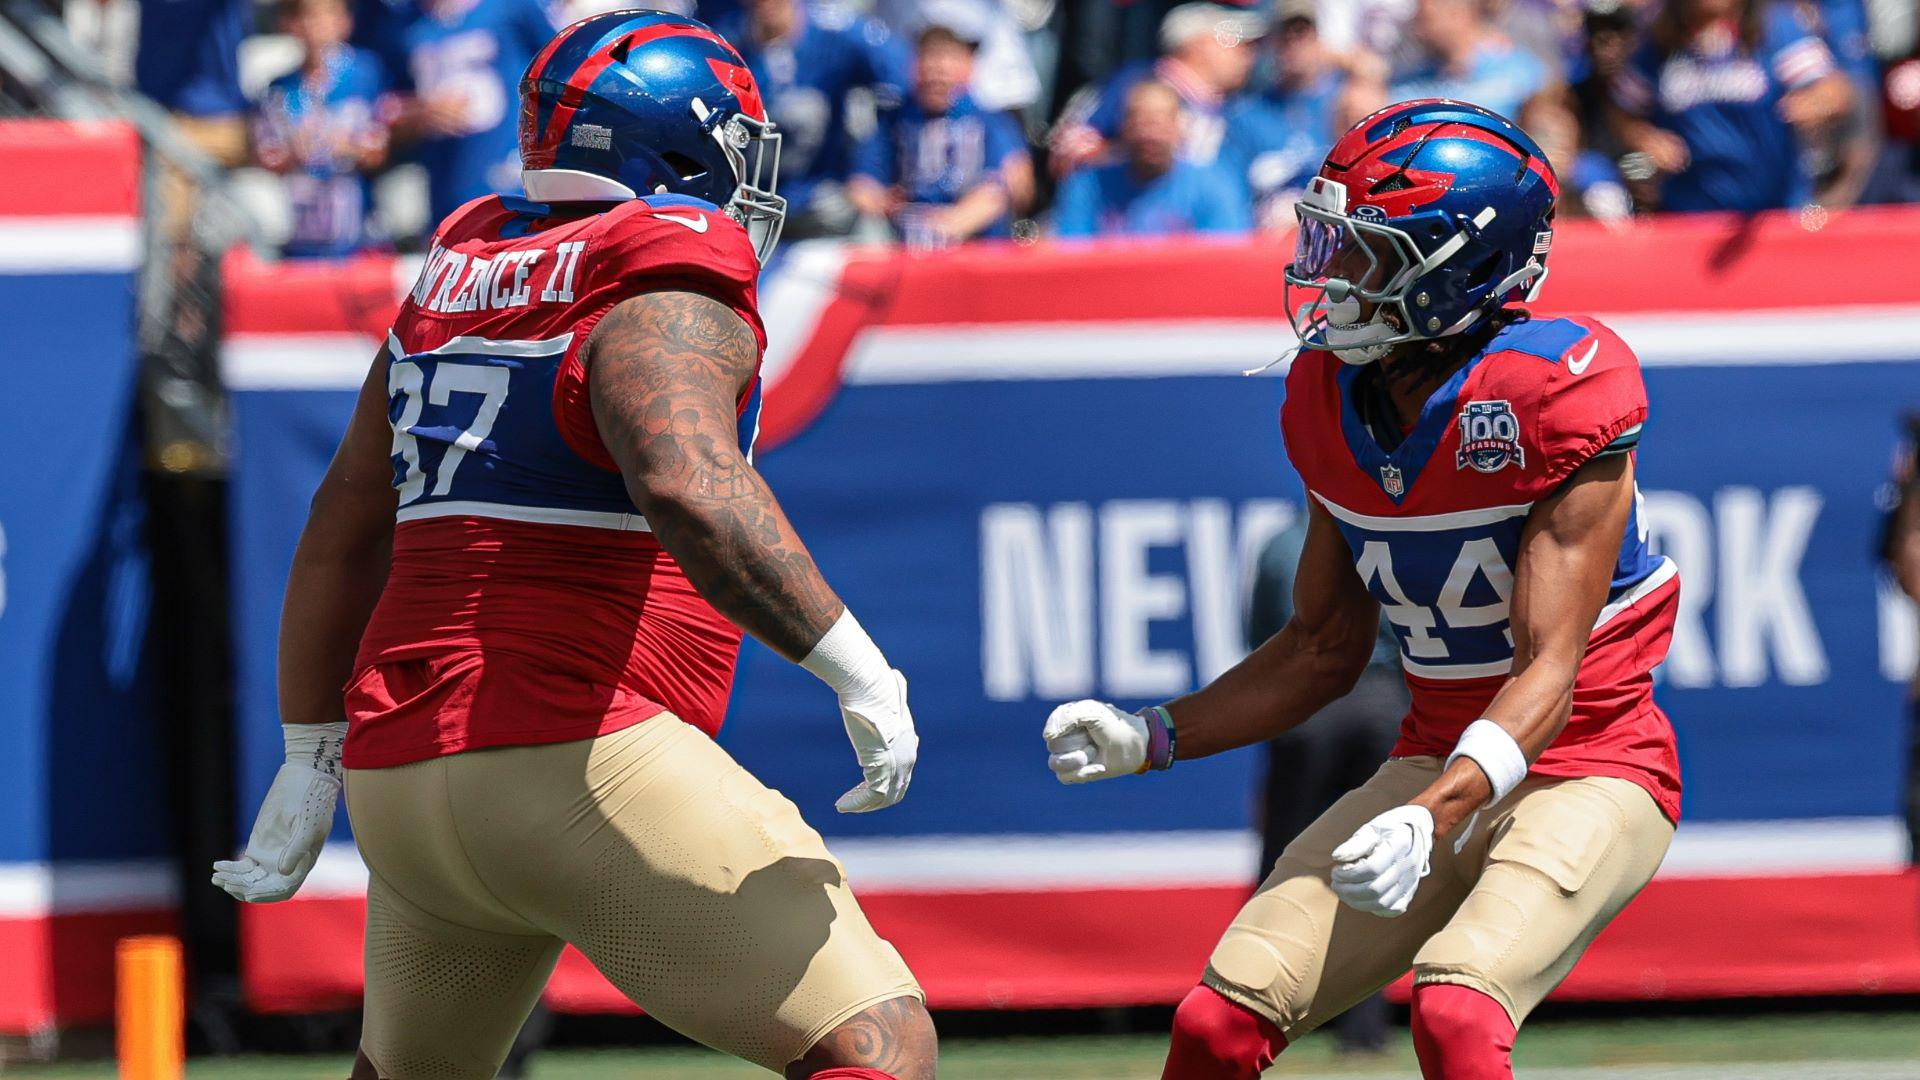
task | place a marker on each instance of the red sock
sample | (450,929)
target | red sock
(1214,1039)
(1460,1033)
(850,1072)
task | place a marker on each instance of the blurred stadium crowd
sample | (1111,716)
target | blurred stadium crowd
(356,124)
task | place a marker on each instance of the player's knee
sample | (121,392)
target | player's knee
(893,1040)
(1215,1039)
(1460,1033)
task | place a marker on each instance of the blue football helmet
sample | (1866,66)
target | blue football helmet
(1426,219)
(635,103)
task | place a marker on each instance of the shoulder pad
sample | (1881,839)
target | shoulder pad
(1310,383)
(1591,395)
(675,242)
(463,223)
(1548,339)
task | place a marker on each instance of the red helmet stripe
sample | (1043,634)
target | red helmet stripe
(738,79)
(602,59)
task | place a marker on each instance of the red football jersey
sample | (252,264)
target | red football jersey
(528,602)
(1434,526)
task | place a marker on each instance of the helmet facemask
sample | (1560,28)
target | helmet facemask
(752,149)
(1356,273)
(1370,286)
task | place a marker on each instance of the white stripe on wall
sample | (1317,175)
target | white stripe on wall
(32,889)
(1228,857)
(69,245)
(296,361)
(1787,848)
(1106,350)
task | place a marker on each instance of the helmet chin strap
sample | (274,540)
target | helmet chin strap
(1353,341)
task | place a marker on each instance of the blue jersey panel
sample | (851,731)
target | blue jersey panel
(473,423)
(1444,590)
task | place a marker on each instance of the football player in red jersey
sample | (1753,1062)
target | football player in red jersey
(1469,471)
(530,564)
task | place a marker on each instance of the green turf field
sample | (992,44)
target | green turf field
(1827,1046)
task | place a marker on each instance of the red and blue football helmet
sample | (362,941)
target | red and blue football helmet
(635,103)
(1426,219)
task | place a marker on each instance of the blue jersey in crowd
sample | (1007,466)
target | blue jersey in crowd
(188,55)
(1502,77)
(1276,140)
(805,80)
(315,123)
(1843,26)
(1202,112)
(477,49)
(936,159)
(1596,178)
(1108,200)
(1723,99)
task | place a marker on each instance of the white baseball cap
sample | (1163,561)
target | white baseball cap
(1228,24)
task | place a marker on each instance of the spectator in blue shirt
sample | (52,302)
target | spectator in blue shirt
(940,168)
(809,62)
(1843,158)
(1714,98)
(1207,52)
(1276,139)
(317,126)
(1462,56)
(1151,191)
(187,59)
(464,62)
(1590,182)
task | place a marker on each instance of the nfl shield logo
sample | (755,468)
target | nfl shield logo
(1392,482)
(1489,438)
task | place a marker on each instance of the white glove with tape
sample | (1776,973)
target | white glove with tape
(1379,867)
(294,818)
(1092,740)
(873,706)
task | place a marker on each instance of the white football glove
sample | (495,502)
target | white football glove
(884,741)
(873,706)
(1379,867)
(1092,740)
(294,818)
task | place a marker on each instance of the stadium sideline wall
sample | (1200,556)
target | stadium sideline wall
(83,809)
(1039,474)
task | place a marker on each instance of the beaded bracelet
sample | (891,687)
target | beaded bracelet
(1161,738)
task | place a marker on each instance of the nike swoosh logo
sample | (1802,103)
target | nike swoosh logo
(1579,367)
(697,224)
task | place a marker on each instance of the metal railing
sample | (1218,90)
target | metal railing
(190,222)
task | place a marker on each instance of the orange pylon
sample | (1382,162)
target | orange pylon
(150,1010)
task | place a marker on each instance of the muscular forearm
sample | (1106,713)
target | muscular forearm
(331,593)
(1533,708)
(1277,688)
(740,551)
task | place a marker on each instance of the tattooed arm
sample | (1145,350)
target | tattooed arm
(665,371)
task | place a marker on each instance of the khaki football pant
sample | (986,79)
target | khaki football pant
(698,891)
(1541,873)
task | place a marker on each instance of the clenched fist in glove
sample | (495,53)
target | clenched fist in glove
(1379,867)
(1092,740)
(294,818)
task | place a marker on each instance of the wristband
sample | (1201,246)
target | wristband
(847,660)
(316,746)
(1491,748)
(1161,738)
